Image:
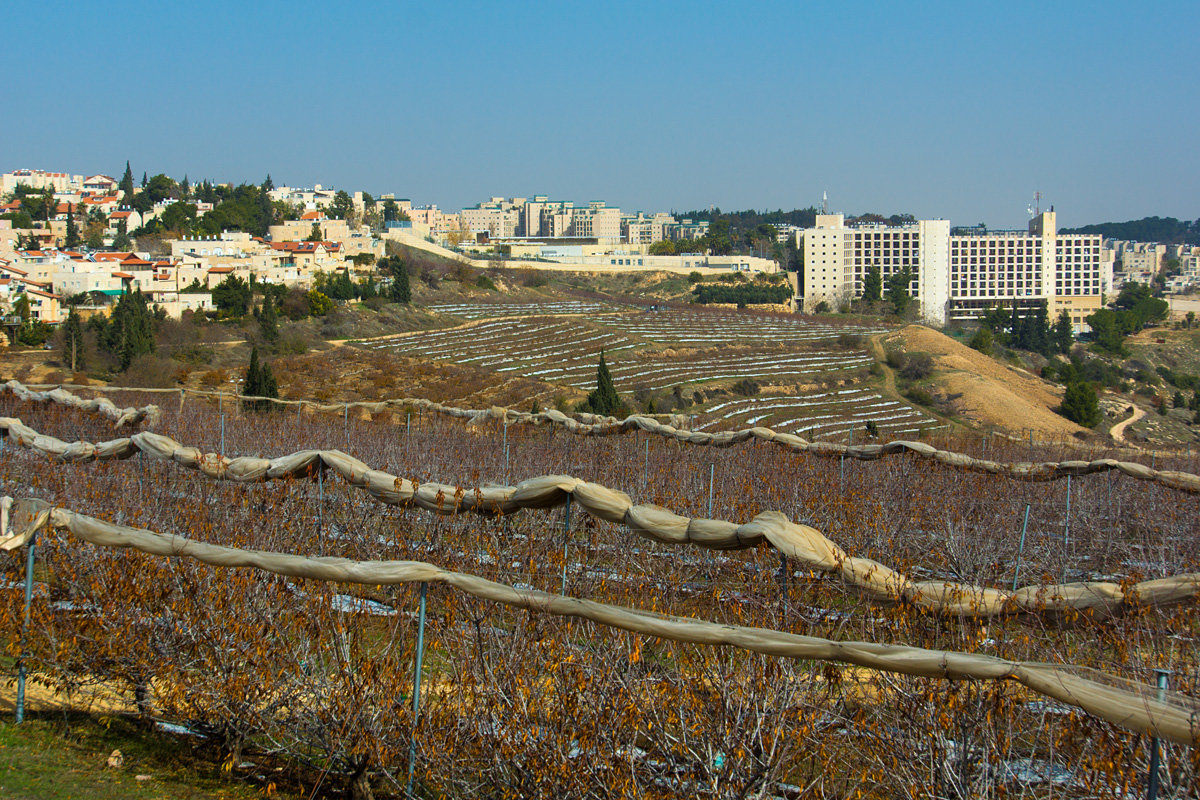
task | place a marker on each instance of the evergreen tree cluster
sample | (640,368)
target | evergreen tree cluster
(1026,329)
(259,382)
(130,331)
(743,294)
(1136,307)
(397,267)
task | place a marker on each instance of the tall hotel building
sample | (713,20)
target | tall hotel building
(959,276)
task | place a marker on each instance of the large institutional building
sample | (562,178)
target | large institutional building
(955,276)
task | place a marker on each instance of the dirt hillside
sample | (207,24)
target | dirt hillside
(993,394)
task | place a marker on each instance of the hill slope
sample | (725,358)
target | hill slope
(992,394)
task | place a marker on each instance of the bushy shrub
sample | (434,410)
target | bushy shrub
(917,366)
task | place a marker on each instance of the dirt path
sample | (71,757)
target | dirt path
(875,345)
(1117,432)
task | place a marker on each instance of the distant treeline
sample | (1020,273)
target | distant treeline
(743,295)
(1166,230)
(800,217)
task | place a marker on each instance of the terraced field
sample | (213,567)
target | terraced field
(819,415)
(488,310)
(650,351)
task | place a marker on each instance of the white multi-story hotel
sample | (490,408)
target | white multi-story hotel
(959,276)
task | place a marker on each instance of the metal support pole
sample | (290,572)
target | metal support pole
(1067,526)
(712,472)
(566,541)
(645,462)
(1152,778)
(346,423)
(1021,548)
(321,507)
(222,433)
(25,628)
(841,472)
(412,745)
(506,447)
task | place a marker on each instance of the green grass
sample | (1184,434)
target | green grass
(57,755)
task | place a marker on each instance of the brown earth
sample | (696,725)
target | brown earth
(347,373)
(992,394)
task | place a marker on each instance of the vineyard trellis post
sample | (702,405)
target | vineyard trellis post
(1152,777)
(346,423)
(321,507)
(29,556)
(412,744)
(504,447)
(1021,548)
(645,463)
(407,431)
(221,408)
(566,540)
(712,474)
(1067,528)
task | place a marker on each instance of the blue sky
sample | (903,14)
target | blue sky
(958,110)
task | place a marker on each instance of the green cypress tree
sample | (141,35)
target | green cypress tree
(259,382)
(126,184)
(604,400)
(401,292)
(1062,336)
(72,239)
(73,341)
(252,380)
(268,318)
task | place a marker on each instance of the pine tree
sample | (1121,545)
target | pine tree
(604,400)
(1081,405)
(401,293)
(185,188)
(1062,335)
(73,341)
(872,286)
(126,184)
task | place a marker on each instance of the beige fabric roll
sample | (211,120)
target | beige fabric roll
(801,542)
(1116,700)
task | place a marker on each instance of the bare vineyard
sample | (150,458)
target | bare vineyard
(520,704)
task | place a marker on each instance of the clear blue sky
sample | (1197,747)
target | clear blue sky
(958,110)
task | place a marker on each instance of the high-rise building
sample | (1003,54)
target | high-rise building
(955,276)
